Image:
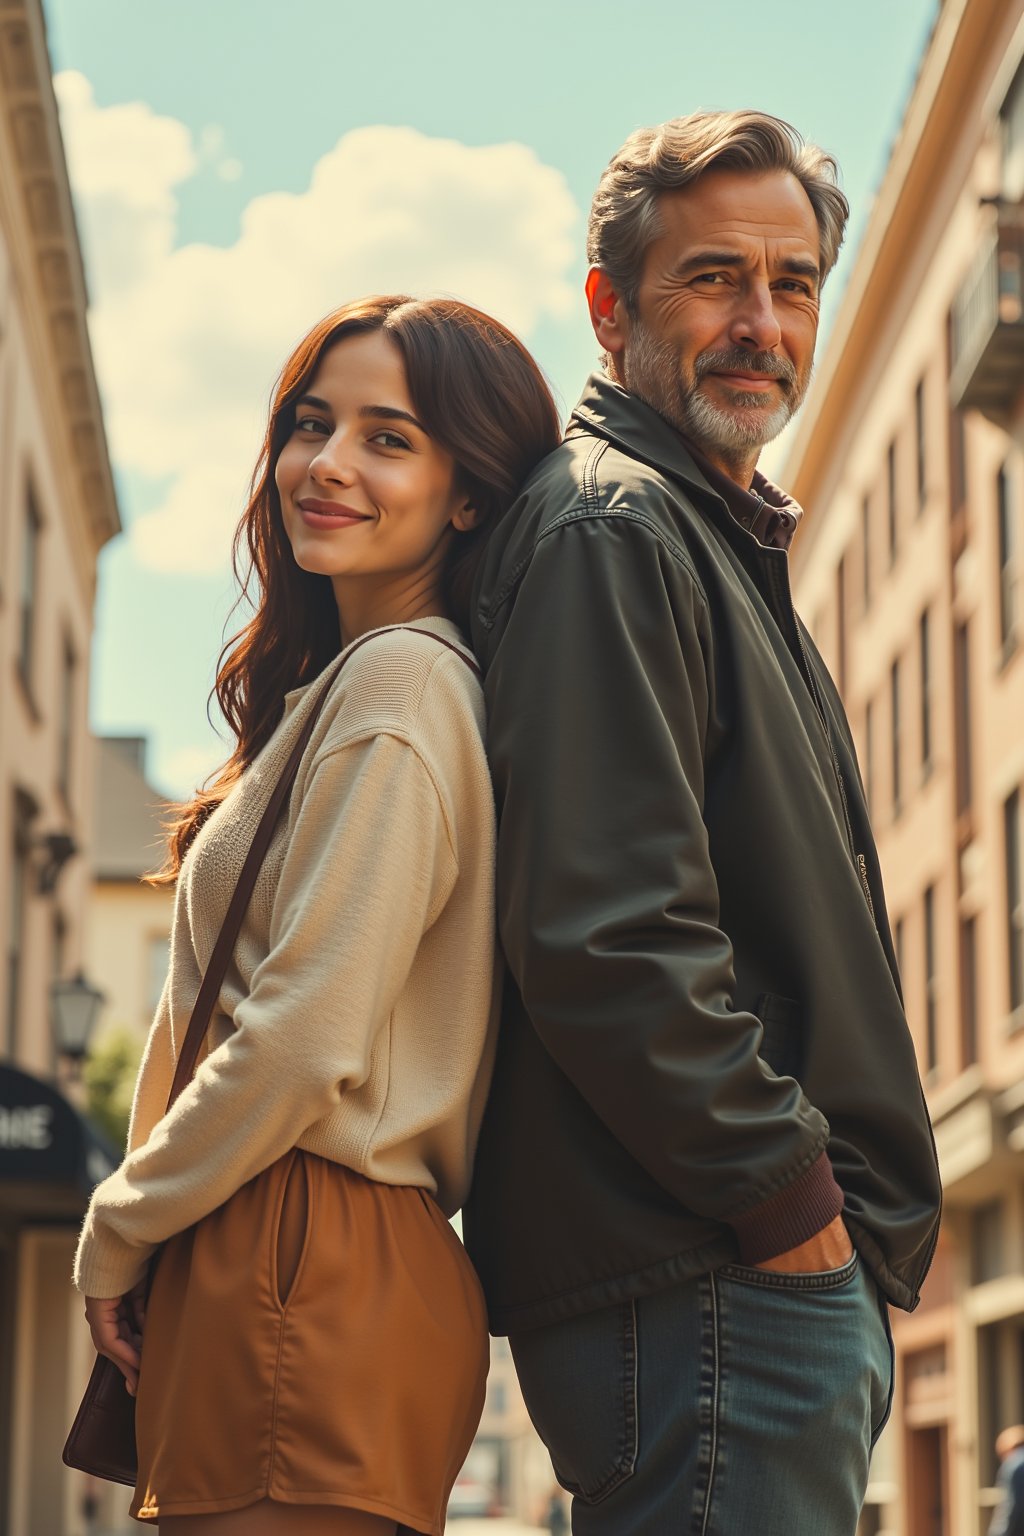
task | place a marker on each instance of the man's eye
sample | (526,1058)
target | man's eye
(709,277)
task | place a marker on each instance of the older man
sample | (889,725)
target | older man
(706,1162)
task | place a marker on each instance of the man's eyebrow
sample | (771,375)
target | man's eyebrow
(792,266)
(795,266)
(707,259)
(391,413)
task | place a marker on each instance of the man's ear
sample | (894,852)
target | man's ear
(608,313)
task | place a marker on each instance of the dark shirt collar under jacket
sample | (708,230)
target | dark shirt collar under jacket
(764,511)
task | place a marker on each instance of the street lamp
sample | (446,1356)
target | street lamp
(75,1004)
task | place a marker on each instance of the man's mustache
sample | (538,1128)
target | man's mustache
(739,360)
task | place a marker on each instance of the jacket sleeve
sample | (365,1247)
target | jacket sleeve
(600,695)
(369,866)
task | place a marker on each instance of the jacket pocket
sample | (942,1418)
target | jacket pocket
(782,1045)
(579,1380)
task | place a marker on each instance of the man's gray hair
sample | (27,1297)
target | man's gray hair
(624,219)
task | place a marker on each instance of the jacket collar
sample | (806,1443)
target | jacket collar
(765,511)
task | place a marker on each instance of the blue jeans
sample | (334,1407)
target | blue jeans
(741,1403)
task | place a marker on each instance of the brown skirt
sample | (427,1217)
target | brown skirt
(317,1339)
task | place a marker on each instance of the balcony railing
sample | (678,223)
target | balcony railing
(988,324)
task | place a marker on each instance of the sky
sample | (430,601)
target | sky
(240,167)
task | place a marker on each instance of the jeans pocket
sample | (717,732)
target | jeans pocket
(579,1380)
(778,1280)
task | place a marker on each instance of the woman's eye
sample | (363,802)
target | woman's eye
(389,439)
(310,424)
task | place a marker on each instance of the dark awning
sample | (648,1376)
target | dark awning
(51,1155)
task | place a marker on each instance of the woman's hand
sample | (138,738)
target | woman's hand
(116,1324)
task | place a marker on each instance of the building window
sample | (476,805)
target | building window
(962,716)
(988,1245)
(841,625)
(894,710)
(29,583)
(921,444)
(66,724)
(968,991)
(865,545)
(890,482)
(1014,899)
(1007,512)
(1012,116)
(158,960)
(924,649)
(25,810)
(931,990)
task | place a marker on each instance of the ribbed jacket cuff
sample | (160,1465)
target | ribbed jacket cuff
(789,1218)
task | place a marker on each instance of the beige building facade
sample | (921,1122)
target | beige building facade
(909,571)
(128,925)
(57,510)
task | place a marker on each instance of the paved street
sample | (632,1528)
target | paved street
(461,1527)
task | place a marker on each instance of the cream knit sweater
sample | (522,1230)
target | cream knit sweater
(358,1017)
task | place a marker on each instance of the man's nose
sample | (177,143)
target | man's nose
(755,324)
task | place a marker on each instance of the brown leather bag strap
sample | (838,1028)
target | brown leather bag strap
(213,980)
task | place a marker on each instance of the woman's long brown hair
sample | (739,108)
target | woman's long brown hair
(480,396)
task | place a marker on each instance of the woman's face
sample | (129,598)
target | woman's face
(367,497)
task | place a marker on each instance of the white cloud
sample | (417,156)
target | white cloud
(124,163)
(188,339)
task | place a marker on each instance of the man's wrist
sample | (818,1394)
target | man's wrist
(828,1249)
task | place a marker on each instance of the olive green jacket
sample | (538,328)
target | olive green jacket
(703,1053)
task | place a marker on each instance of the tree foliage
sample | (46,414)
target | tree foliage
(109,1077)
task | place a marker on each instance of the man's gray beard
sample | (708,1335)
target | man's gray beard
(651,372)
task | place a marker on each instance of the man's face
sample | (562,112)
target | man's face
(722,343)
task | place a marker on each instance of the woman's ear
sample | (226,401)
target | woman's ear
(466,517)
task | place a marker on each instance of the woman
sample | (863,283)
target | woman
(327,1374)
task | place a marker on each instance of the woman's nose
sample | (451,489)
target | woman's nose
(334,462)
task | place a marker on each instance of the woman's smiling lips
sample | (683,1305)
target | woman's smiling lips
(329,514)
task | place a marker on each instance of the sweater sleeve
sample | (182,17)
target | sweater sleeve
(369,866)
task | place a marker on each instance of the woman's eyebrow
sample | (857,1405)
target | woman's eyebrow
(314,401)
(391,413)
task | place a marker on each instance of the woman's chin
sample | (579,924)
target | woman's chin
(318,563)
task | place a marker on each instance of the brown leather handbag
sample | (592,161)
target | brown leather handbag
(102,1437)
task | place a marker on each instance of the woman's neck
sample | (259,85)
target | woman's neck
(360,611)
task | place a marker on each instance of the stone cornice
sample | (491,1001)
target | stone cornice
(50,238)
